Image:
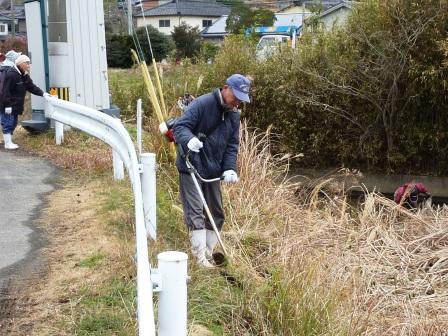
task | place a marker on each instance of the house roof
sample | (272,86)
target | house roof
(290,19)
(342,4)
(300,4)
(4,18)
(218,28)
(19,12)
(188,8)
(282,19)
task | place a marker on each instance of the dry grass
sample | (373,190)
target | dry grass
(307,261)
(79,152)
(76,231)
(313,264)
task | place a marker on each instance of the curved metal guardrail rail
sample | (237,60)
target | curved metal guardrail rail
(111,131)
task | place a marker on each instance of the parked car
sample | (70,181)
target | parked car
(273,39)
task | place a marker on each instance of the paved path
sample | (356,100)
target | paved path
(24,182)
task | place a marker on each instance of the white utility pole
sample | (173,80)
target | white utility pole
(130,31)
(13,20)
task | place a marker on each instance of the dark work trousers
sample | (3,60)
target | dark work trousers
(9,122)
(194,213)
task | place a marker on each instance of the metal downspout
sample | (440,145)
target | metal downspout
(43,14)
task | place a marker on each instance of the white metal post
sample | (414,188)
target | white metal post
(148,180)
(59,132)
(173,297)
(139,126)
(118,166)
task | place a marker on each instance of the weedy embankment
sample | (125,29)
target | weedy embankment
(315,263)
(302,261)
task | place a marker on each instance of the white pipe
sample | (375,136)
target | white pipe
(294,39)
(59,132)
(173,297)
(148,161)
(118,166)
(139,126)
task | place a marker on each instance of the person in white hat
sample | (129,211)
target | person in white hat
(16,83)
(10,58)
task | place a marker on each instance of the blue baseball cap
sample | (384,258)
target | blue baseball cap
(240,86)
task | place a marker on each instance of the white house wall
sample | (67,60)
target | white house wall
(337,18)
(193,21)
(87,53)
(36,50)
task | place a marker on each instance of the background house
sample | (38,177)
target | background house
(165,17)
(6,21)
(148,4)
(294,6)
(336,15)
(217,31)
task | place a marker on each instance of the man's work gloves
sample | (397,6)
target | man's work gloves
(8,110)
(47,95)
(195,144)
(230,176)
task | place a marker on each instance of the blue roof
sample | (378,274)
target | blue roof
(273,30)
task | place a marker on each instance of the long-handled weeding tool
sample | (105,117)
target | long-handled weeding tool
(194,173)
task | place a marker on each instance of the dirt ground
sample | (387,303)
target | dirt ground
(40,304)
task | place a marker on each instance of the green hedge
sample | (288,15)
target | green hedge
(119,46)
(118,50)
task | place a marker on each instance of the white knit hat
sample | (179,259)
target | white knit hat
(11,57)
(22,59)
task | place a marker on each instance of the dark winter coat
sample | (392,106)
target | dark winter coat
(15,87)
(206,115)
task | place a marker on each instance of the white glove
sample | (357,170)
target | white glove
(195,144)
(230,176)
(8,110)
(47,95)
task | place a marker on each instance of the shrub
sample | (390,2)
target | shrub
(187,40)
(160,43)
(18,43)
(208,52)
(237,55)
(118,50)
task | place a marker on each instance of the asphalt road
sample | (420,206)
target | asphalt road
(24,182)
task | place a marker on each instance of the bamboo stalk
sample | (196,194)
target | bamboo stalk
(153,97)
(159,88)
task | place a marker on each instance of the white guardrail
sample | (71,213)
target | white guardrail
(170,279)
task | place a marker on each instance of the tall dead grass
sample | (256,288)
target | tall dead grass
(314,263)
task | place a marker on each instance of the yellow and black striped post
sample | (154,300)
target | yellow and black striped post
(61,92)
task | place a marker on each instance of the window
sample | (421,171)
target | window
(3,28)
(57,21)
(206,23)
(164,23)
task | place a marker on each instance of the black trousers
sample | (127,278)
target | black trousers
(194,213)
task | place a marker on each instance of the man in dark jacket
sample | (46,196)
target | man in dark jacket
(17,83)
(209,130)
